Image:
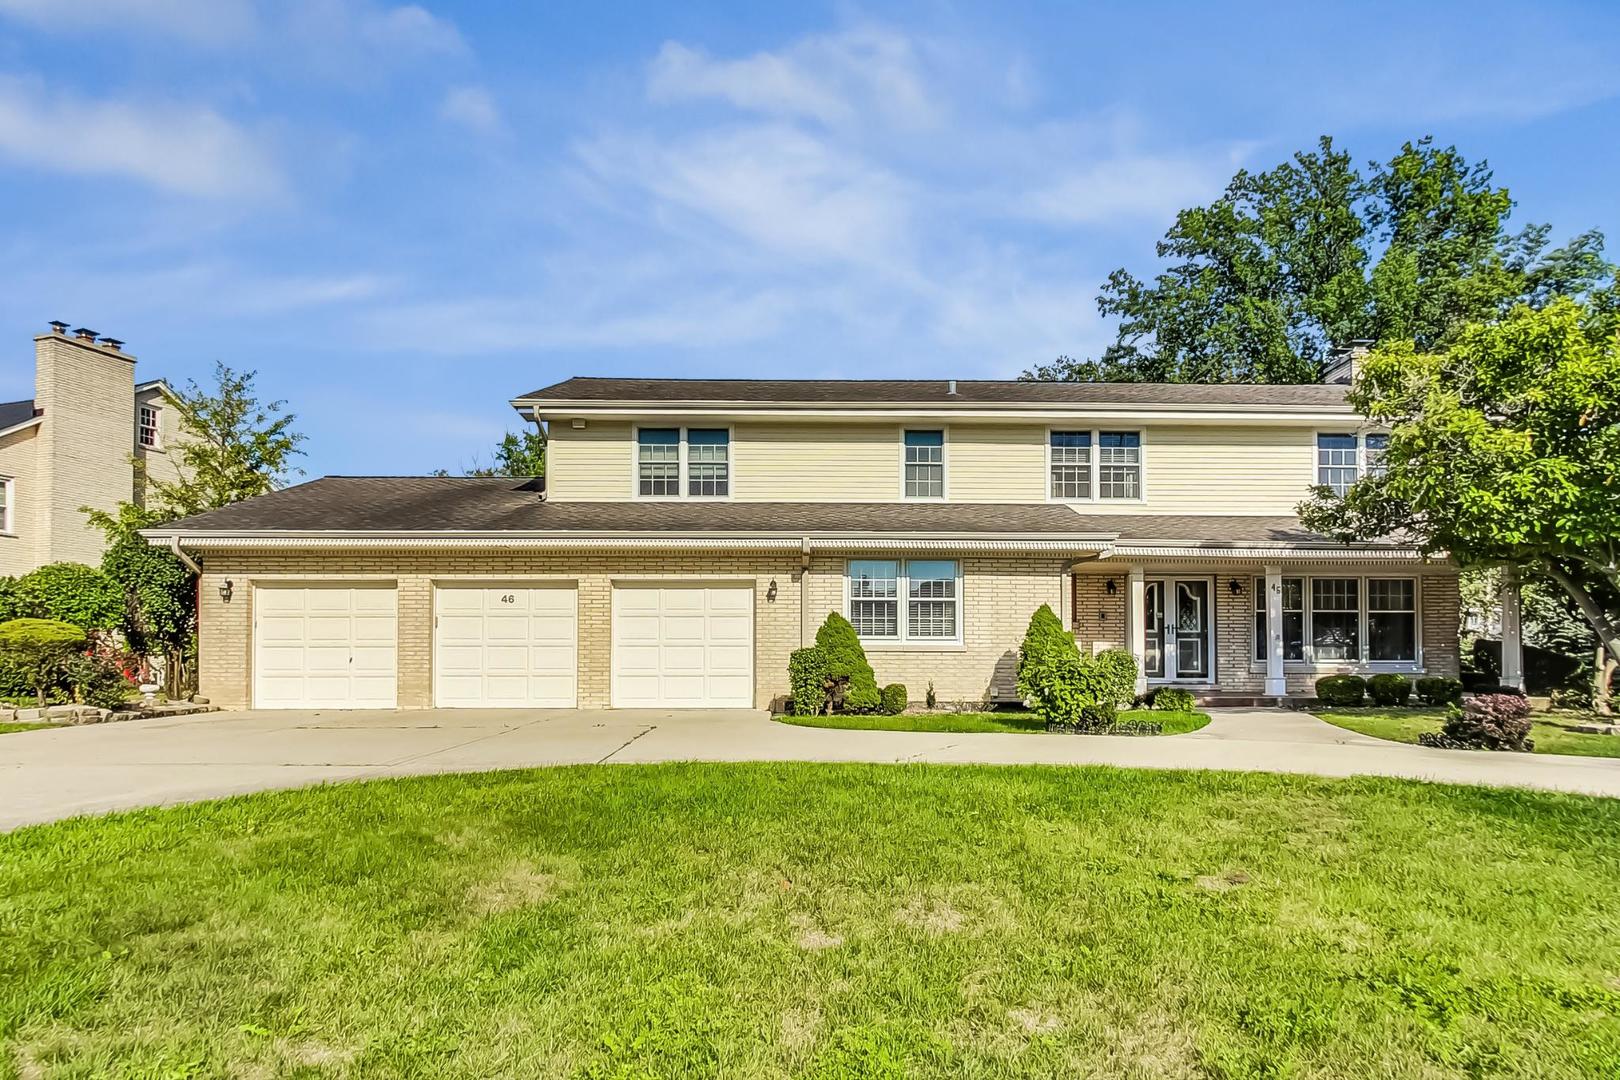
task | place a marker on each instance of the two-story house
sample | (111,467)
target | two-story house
(690,534)
(75,444)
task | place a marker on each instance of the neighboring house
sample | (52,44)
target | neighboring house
(73,444)
(691,534)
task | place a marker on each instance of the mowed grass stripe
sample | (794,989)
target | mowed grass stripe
(814,920)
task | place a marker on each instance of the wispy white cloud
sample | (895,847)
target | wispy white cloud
(1127,186)
(473,108)
(183,149)
(201,22)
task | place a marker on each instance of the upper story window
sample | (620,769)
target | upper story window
(1343,458)
(658,462)
(8,498)
(1071,464)
(667,458)
(914,600)
(1086,465)
(146,432)
(925,465)
(708,461)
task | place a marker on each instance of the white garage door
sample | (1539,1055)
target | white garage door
(683,646)
(324,647)
(504,646)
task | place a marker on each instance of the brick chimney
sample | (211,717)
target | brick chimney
(86,391)
(1345,361)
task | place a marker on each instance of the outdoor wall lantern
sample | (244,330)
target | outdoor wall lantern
(225,588)
(1235,585)
(1112,588)
(770,592)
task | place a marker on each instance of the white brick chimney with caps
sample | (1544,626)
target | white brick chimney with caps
(1344,362)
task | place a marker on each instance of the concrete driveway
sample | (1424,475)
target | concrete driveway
(52,774)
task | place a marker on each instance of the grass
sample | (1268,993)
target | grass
(1551,731)
(820,921)
(9,726)
(1175,723)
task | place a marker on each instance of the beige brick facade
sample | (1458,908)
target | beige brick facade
(1099,618)
(999,595)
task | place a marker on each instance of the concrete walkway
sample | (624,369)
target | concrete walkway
(52,774)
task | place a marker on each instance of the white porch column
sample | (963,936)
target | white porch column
(1276,683)
(1512,643)
(1066,616)
(1135,622)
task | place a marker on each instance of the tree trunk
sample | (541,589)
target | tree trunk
(1594,614)
(1602,681)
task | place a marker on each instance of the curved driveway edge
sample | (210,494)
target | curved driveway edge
(64,772)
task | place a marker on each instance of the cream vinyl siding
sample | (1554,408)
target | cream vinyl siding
(1224,470)
(590,463)
(994,463)
(834,462)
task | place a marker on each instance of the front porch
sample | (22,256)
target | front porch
(1243,632)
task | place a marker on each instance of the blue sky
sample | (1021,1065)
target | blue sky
(404,215)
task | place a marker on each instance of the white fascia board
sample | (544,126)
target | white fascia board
(1044,412)
(1248,552)
(25,425)
(778,542)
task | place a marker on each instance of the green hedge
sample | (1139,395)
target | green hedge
(894,699)
(1435,690)
(1174,699)
(1341,689)
(1390,689)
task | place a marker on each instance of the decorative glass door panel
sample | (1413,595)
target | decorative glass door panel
(1192,630)
(1153,630)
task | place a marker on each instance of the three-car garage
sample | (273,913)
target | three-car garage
(504,644)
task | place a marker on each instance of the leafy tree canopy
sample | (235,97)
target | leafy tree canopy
(71,593)
(517,454)
(1504,448)
(1290,264)
(232,447)
(159,593)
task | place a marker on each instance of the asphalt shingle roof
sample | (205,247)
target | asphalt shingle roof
(13,413)
(932,392)
(434,504)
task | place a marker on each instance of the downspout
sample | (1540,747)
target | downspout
(186,560)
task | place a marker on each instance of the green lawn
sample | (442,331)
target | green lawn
(821,921)
(9,726)
(1550,732)
(1175,723)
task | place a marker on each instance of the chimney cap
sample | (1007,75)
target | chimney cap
(59,326)
(84,333)
(112,343)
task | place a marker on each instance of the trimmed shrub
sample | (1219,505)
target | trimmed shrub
(1116,673)
(1099,717)
(807,676)
(40,649)
(71,593)
(1174,699)
(893,699)
(1435,690)
(1341,689)
(1390,689)
(97,680)
(1486,722)
(1044,641)
(848,673)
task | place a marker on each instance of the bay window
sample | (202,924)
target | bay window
(1333,620)
(931,591)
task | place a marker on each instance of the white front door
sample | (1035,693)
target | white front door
(1178,641)
(679,646)
(325,646)
(504,646)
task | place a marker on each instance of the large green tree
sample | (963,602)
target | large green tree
(1504,449)
(1289,264)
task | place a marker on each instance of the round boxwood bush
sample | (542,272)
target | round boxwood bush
(1435,690)
(1390,689)
(1174,699)
(1341,689)
(893,699)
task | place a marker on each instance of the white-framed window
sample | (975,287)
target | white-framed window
(917,601)
(708,462)
(8,504)
(1331,619)
(146,432)
(1343,457)
(658,462)
(1070,464)
(673,462)
(924,464)
(1093,465)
